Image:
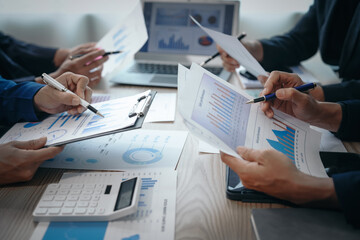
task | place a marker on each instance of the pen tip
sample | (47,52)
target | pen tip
(100,115)
(251,101)
(202,64)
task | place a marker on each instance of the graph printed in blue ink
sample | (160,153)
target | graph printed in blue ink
(64,118)
(285,139)
(222,111)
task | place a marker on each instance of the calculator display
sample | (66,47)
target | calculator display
(125,194)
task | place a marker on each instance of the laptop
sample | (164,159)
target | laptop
(174,38)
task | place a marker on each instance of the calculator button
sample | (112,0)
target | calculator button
(99,186)
(47,198)
(78,186)
(82,204)
(50,192)
(89,186)
(80,210)
(95,198)
(65,186)
(63,192)
(41,211)
(97,192)
(53,186)
(75,192)
(91,210)
(54,211)
(101,210)
(60,198)
(69,204)
(93,204)
(50,204)
(87,192)
(67,210)
(85,198)
(72,198)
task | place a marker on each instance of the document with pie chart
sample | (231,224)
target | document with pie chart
(135,149)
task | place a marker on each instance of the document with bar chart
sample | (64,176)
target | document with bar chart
(154,218)
(216,112)
(64,128)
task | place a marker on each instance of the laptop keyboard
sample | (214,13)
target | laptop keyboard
(165,69)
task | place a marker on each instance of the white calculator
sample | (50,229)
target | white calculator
(83,198)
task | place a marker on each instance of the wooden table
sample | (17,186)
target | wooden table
(202,209)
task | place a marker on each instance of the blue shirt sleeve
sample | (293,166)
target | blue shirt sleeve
(347,187)
(17,102)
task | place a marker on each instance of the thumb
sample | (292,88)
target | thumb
(291,94)
(32,144)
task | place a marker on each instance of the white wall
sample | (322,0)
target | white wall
(66,23)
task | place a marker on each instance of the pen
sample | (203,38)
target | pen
(241,36)
(301,88)
(57,85)
(105,54)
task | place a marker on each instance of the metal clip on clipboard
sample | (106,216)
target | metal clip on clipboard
(141,106)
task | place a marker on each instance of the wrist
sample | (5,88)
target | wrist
(314,191)
(329,116)
(60,56)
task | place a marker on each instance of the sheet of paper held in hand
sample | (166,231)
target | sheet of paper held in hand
(235,49)
(216,112)
(63,128)
(129,35)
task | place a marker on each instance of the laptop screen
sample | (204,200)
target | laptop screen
(171,31)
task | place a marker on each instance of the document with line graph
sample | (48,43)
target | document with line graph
(64,128)
(216,112)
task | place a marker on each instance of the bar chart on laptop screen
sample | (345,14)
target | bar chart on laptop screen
(222,111)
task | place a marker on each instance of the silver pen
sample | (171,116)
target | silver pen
(57,85)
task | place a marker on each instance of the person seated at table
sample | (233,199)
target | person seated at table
(272,172)
(330,26)
(29,101)
(20,61)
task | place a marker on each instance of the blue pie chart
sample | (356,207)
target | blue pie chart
(142,156)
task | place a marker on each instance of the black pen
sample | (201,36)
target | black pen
(241,36)
(105,54)
(301,88)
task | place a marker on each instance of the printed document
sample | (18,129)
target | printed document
(216,112)
(136,149)
(63,128)
(154,219)
(236,50)
(128,36)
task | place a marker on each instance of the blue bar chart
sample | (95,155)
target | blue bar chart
(285,139)
(173,44)
(222,111)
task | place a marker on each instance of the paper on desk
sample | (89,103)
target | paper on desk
(162,108)
(216,112)
(300,70)
(329,143)
(154,219)
(207,148)
(136,149)
(129,35)
(63,128)
(235,49)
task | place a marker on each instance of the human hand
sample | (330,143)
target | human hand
(51,100)
(229,63)
(92,59)
(20,160)
(273,173)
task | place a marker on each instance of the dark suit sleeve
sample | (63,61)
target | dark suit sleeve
(349,127)
(16,101)
(347,187)
(343,91)
(35,59)
(293,47)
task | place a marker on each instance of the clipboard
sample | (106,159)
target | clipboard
(122,114)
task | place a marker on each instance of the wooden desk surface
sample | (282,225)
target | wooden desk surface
(202,209)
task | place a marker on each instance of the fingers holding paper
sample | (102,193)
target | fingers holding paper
(52,101)
(20,160)
(229,63)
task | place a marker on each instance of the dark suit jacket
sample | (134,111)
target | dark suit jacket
(20,61)
(331,26)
